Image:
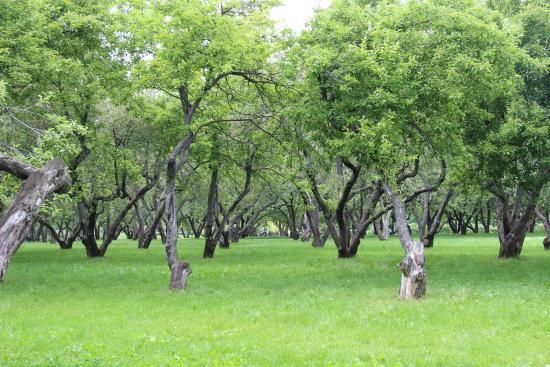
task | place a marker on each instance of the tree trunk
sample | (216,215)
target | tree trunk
(88,216)
(147,237)
(413,277)
(382,225)
(428,239)
(162,233)
(512,231)
(179,270)
(64,243)
(212,231)
(485,218)
(312,222)
(305,228)
(39,184)
(292,219)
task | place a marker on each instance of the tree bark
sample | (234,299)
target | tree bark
(428,239)
(382,225)
(39,184)
(311,221)
(87,214)
(512,225)
(148,234)
(64,243)
(291,208)
(485,217)
(111,235)
(179,270)
(212,231)
(413,277)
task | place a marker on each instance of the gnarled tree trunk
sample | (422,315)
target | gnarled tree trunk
(513,222)
(413,277)
(179,270)
(39,184)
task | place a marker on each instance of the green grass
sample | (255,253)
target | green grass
(268,302)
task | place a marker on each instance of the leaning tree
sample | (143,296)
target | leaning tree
(39,184)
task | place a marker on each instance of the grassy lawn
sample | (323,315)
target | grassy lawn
(274,302)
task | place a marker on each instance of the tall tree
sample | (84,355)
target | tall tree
(193,48)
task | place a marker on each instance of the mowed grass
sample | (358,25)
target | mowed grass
(276,302)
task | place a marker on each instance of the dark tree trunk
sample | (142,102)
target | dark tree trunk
(87,214)
(64,243)
(120,217)
(225,240)
(433,229)
(212,231)
(292,219)
(97,232)
(196,227)
(140,226)
(107,225)
(311,221)
(225,228)
(147,237)
(532,226)
(39,184)
(455,227)
(485,217)
(235,227)
(513,224)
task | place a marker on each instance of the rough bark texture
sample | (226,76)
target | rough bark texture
(39,184)
(513,220)
(413,277)
(178,275)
